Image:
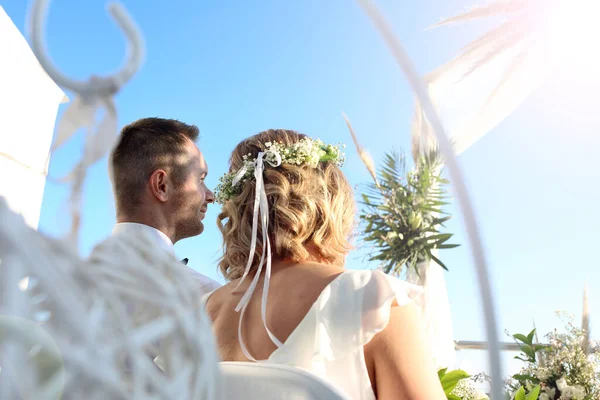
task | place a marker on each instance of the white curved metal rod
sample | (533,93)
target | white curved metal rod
(102,86)
(459,185)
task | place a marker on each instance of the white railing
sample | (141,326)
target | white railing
(478,345)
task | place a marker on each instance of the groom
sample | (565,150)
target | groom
(158,177)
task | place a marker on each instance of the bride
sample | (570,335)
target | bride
(288,214)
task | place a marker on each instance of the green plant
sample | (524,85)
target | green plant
(532,395)
(559,370)
(523,381)
(527,347)
(449,380)
(402,215)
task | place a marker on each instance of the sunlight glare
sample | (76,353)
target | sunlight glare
(574,29)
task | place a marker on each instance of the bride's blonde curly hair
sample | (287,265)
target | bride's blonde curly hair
(309,208)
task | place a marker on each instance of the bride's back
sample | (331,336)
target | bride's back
(292,292)
(310,208)
(286,201)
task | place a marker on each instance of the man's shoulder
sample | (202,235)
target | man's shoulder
(114,245)
(118,244)
(102,246)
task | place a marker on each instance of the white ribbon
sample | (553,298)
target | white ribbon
(260,205)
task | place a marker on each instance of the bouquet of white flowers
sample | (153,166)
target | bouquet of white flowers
(568,368)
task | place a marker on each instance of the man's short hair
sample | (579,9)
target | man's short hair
(144,146)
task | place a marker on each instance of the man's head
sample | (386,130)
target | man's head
(158,174)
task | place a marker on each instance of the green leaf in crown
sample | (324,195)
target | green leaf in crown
(306,151)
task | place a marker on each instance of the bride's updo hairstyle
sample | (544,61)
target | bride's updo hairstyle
(310,204)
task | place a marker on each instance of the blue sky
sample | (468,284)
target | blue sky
(236,68)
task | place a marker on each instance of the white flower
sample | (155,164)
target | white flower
(307,151)
(548,392)
(314,160)
(465,390)
(479,395)
(569,392)
(542,374)
(529,386)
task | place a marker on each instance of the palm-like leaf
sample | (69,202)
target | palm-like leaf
(492,75)
(403,212)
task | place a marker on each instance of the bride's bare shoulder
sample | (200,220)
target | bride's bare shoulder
(305,280)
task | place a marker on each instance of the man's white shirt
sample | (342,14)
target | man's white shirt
(205,284)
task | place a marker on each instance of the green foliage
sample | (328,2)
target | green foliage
(532,395)
(559,370)
(568,367)
(449,380)
(402,215)
(525,380)
(527,347)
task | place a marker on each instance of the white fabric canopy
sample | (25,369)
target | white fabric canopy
(29,101)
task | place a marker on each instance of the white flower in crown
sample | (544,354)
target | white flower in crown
(306,151)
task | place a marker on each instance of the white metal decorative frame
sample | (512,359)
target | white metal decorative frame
(91,97)
(102,86)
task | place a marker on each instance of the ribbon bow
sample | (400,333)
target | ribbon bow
(261,208)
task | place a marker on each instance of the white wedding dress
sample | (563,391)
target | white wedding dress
(347,314)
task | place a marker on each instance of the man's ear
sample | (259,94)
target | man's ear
(159,185)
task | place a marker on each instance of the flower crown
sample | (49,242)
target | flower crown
(306,151)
